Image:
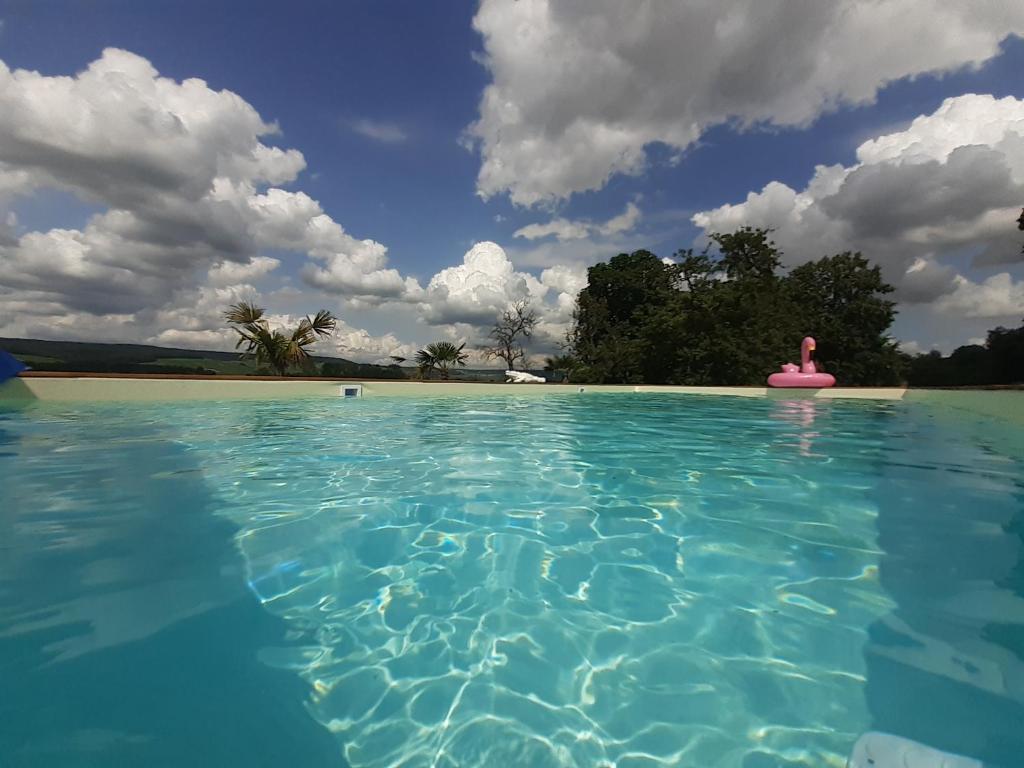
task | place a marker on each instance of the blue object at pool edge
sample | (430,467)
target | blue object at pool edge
(10,366)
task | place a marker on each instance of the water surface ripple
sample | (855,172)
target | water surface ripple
(600,580)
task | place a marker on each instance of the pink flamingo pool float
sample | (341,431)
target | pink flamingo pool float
(806,375)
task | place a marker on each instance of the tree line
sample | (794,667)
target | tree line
(731,316)
(728,315)
(1000,360)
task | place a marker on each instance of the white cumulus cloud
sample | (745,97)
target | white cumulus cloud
(358,344)
(580,87)
(999,296)
(476,291)
(231,273)
(467,299)
(186,180)
(379,130)
(566,229)
(950,184)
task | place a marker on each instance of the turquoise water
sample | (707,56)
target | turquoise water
(562,581)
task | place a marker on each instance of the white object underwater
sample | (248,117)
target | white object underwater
(522,377)
(883,750)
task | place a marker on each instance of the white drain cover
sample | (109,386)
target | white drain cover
(883,750)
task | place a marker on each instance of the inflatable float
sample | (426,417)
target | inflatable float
(806,375)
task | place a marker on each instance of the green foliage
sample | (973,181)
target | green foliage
(441,356)
(614,335)
(748,255)
(273,348)
(841,304)
(346,369)
(560,367)
(729,317)
(999,361)
(1006,346)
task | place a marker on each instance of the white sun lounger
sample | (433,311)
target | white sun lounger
(522,377)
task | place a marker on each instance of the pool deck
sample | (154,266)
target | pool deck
(62,386)
(1002,403)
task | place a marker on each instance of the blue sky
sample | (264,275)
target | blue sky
(379,99)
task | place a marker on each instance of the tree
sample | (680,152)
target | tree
(560,365)
(741,323)
(615,331)
(1006,346)
(841,301)
(730,316)
(928,370)
(277,349)
(347,369)
(967,366)
(515,323)
(999,361)
(440,356)
(747,253)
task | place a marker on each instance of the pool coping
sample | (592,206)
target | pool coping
(68,386)
(1003,403)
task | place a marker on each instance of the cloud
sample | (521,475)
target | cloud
(923,280)
(193,320)
(562,229)
(947,186)
(187,187)
(565,282)
(565,229)
(578,89)
(624,222)
(8,227)
(230,273)
(912,348)
(358,344)
(999,296)
(189,202)
(385,133)
(476,291)
(350,267)
(465,300)
(117,132)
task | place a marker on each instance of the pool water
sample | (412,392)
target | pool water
(596,580)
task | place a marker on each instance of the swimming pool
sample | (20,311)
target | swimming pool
(627,580)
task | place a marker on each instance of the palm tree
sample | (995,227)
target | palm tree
(563,364)
(275,348)
(440,356)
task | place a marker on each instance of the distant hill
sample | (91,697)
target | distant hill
(95,357)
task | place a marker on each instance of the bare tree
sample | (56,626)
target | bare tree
(515,323)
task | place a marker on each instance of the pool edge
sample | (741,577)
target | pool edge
(132,388)
(1007,405)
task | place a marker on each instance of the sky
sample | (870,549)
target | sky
(417,167)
